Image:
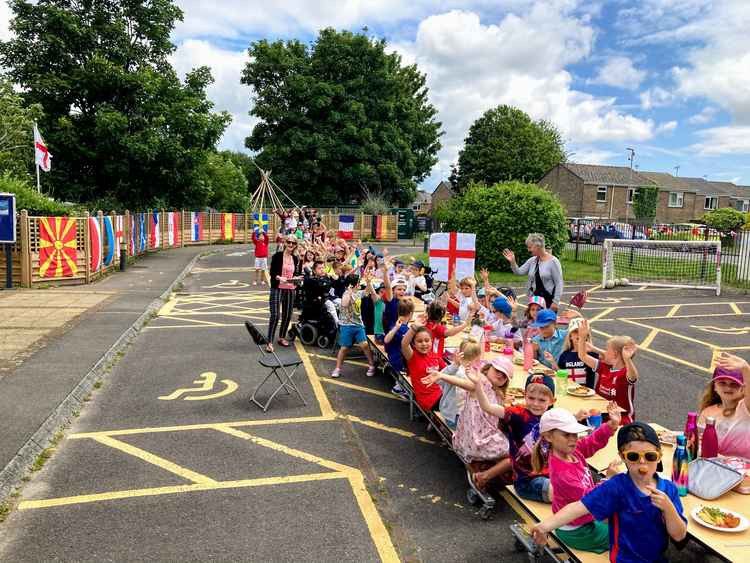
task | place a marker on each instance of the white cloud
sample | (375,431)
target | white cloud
(591,155)
(226,92)
(724,140)
(5,15)
(619,72)
(656,97)
(474,65)
(667,127)
(705,116)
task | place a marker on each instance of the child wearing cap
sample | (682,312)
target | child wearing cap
(521,425)
(569,360)
(616,374)
(560,449)
(477,440)
(547,345)
(535,305)
(644,510)
(727,400)
(502,320)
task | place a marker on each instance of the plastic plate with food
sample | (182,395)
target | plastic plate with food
(579,390)
(719,519)
(667,437)
(515,393)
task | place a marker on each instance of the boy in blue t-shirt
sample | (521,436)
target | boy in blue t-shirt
(393,341)
(644,510)
(548,344)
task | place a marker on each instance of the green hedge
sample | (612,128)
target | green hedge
(502,216)
(28,198)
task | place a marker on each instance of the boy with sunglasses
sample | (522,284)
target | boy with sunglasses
(644,510)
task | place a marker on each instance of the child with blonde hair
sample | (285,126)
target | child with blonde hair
(727,400)
(477,439)
(467,301)
(616,374)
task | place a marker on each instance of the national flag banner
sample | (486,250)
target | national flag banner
(42,157)
(131,246)
(346,226)
(196,231)
(141,232)
(109,232)
(227,226)
(173,225)
(95,244)
(155,230)
(118,236)
(58,251)
(452,253)
(260,222)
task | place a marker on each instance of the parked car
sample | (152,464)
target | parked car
(580,227)
(602,231)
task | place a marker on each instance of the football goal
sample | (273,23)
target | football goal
(666,263)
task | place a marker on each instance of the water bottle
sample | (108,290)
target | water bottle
(528,352)
(691,436)
(508,342)
(456,320)
(680,466)
(487,333)
(710,443)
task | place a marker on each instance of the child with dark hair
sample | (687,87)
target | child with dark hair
(438,330)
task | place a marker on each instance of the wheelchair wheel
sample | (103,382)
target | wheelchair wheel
(323,341)
(307,334)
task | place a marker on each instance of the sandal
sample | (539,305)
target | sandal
(269,348)
(283,342)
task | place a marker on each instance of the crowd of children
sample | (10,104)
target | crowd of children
(534,445)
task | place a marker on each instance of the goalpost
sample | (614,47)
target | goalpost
(665,263)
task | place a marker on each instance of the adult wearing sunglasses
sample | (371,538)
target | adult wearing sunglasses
(286,268)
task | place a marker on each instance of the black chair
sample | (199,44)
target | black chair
(279,365)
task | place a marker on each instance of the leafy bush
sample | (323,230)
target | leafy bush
(28,198)
(646,199)
(725,219)
(502,216)
(375,204)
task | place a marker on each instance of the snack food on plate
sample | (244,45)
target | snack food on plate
(668,437)
(719,518)
(579,390)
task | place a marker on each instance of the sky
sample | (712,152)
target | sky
(668,78)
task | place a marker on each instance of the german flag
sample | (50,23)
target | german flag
(57,247)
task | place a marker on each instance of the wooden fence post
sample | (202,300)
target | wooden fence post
(25,249)
(210,220)
(182,228)
(87,248)
(245,226)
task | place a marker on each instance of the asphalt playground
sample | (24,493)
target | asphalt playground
(170,461)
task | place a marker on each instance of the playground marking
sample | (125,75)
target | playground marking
(673,311)
(312,375)
(735,308)
(333,359)
(205,382)
(731,331)
(649,338)
(385,428)
(603,313)
(360,388)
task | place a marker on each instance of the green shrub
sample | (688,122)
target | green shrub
(28,198)
(502,216)
(374,204)
(725,219)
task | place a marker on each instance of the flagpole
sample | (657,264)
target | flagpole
(38,186)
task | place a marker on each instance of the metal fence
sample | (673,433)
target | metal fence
(585,243)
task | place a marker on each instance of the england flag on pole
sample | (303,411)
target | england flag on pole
(346,226)
(42,157)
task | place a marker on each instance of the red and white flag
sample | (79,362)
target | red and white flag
(42,157)
(452,252)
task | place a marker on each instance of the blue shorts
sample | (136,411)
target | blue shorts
(536,488)
(349,335)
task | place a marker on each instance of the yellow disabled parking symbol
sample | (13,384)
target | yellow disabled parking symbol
(205,383)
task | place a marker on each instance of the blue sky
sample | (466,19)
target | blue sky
(669,78)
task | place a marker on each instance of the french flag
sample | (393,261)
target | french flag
(346,226)
(196,233)
(155,234)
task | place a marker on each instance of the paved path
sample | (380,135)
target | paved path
(169,460)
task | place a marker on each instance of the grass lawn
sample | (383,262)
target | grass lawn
(572,272)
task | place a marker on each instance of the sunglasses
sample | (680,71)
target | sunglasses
(638,457)
(292,243)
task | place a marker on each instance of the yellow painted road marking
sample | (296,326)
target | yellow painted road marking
(674,334)
(675,317)
(312,375)
(603,313)
(154,460)
(731,331)
(203,426)
(205,382)
(333,358)
(153,491)
(360,388)
(384,428)
(735,308)
(673,311)
(168,306)
(667,305)
(649,338)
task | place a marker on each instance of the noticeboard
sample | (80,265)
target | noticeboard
(7,218)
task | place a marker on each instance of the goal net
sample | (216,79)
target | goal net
(666,263)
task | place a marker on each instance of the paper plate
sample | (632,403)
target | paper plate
(589,392)
(744,523)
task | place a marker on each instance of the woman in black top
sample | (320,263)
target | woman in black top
(286,269)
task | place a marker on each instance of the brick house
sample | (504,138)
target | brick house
(606,192)
(422,203)
(443,192)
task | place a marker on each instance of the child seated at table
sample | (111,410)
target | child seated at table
(477,440)
(727,400)
(616,373)
(393,339)
(535,305)
(501,320)
(466,300)
(420,359)
(569,360)
(570,478)
(547,345)
(644,510)
(521,425)
(439,331)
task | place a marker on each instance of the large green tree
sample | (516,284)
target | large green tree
(506,144)
(118,120)
(16,133)
(339,118)
(225,183)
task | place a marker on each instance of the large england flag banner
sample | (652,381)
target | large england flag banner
(346,226)
(452,253)
(118,236)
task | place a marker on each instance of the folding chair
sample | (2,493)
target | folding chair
(276,364)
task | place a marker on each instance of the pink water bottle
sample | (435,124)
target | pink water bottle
(691,436)
(710,442)
(487,334)
(528,352)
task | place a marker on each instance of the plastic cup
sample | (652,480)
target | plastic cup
(595,419)
(561,381)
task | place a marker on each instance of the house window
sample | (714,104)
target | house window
(745,206)
(631,195)
(601,193)
(676,199)
(711,202)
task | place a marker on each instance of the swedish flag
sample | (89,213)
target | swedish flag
(260,222)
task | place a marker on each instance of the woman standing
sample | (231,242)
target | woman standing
(286,268)
(543,269)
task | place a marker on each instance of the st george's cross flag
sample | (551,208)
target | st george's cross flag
(95,244)
(452,253)
(346,226)
(155,230)
(42,157)
(118,236)
(196,230)
(173,225)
